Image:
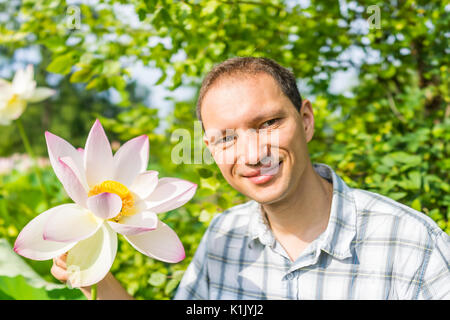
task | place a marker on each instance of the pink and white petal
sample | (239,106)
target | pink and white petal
(71,225)
(170,193)
(30,243)
(139,205)
(135,224)
(41,93)
(161,244)
(60,148)
(105,205)
(81,151)
(98,158)
(90,260)
(131,159)
(73,186)
(145,183)
(76,170)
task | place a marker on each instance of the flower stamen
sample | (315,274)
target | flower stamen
(122,191)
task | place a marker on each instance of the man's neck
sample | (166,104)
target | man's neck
(303,215)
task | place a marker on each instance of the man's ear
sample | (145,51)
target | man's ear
(307,116)
(205,140)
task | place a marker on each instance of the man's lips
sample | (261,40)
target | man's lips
(262,175)
(252,173)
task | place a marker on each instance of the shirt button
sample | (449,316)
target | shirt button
(290,276)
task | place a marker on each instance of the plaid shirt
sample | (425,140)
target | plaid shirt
(372,248)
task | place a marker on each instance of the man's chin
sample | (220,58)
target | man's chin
(268,195)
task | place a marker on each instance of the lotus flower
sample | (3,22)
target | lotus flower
(15,96)
(112,194)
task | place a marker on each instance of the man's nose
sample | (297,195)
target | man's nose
(250,148)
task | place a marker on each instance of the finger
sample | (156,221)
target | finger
(63,257)
(60,262)
(59,273)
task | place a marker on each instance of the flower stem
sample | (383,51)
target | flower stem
(30,152)
(94,292)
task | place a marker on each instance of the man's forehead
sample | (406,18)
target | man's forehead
(235,102)
(223,122)
(261,80)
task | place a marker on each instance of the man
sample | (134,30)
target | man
(305,234)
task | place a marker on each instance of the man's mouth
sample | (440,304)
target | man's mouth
(263,174)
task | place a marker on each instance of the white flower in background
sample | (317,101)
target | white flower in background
(15,95)
(20,162)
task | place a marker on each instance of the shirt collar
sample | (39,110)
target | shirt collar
(337,238)
(259,228)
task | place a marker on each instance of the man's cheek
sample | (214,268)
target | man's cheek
(224,157)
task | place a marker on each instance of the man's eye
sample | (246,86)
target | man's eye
(269,123)
(225,139)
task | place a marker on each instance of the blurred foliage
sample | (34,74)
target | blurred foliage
(20,281)
(388,133)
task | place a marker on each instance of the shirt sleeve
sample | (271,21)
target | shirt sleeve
(195,282)
(436,279)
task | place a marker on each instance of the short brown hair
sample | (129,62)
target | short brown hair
(251,66)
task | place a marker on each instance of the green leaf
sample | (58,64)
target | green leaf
(100,83)
(151,5)
(435,214)
(204,173)
(205,216)
(4,296)
(171,285)
(178,275)
(111,67)
(18,289)
(82,75)
(141,14)
(12,265)
(223,202)
(62,64)
(403,157)
(209,183)
(388,161)
(415,179)
(19,281)
(166,16)
(92,84)
(416,205)
(397,195)
(161,79)
(157,279)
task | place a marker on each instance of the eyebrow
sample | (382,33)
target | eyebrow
(268,115)
(258,118)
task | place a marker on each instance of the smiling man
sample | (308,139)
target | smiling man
(305,234)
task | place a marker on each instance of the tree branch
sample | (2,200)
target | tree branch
(394,108)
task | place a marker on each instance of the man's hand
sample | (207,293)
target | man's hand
(59,268)
(107,289)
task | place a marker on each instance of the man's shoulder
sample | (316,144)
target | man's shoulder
(387,217)
(233,222)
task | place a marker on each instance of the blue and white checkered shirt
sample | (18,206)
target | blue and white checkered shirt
(372,248)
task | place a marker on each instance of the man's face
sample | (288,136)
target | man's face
(256,136)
